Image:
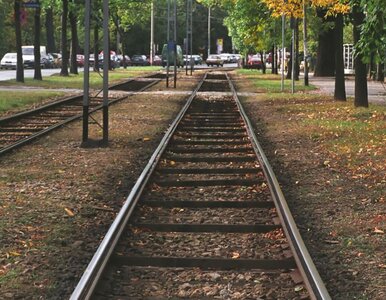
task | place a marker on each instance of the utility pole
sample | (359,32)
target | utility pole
(175,41)
(293,24)
(189,42)
(305,46)
(106,60)
(86,74)
(283,52)
(152,34)
(209,30)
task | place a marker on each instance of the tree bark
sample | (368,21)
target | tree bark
(325,61)
(297,67)
(340,90)
(64,69)
(380,72)
(37,66)
(74,41)
(361,95)
(19,64)
(50,35)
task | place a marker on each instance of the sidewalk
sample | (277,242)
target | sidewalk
(376,90)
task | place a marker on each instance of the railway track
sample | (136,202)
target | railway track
(20,129)
(206,218)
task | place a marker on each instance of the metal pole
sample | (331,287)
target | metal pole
(187,37)
(168,50)
(175,42)
(86,74)
(282,51)
(209,31)
(191,36)
(293,62)
(152,34)
(305,46)
(106,60)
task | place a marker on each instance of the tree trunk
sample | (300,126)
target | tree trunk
(361,95)
(19,65)
(74,41)
(37,66)
(289,64)
(340,90)
(263,66)
(380,72)
(96,48)
(50,35)
(325,61)
(297,68)
(64,69)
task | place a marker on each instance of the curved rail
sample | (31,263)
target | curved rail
(62,102)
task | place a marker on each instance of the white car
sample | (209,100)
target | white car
(9,61)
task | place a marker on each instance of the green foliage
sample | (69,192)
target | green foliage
(373,31)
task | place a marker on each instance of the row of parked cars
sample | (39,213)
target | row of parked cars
(54,60)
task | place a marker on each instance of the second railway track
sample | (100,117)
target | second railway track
(21,128)
(206,219)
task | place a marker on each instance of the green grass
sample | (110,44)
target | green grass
(76,81)
(18,99)
(271,83)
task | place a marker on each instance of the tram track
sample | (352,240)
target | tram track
(206,217)
(21,128)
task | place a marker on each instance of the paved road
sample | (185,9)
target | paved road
(28,73)
(376,90)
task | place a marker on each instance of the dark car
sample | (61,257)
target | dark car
(139,60)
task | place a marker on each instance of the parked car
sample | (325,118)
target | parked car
(80,60)
(197,59)
(254,62)
(9,61)
(48,61)
(122,61)
(57,59)
(29,56)
(179,56)
(114,62)
(214,60)
(139,60)
(226,57)
(157,60)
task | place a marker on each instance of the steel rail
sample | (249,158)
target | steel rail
(90,277)
(36,135)
(303,259)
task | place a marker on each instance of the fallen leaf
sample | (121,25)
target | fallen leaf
(377,230)
(69,212)
(235,255)
(14,253)
(145,139)
(298,288)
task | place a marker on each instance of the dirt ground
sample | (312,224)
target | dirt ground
(57,199)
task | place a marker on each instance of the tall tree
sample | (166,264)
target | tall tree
(64,69)
(19,65)
(325,61)
(361,93)
(340,90)
(74,38)
(37,66)
(50,35)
